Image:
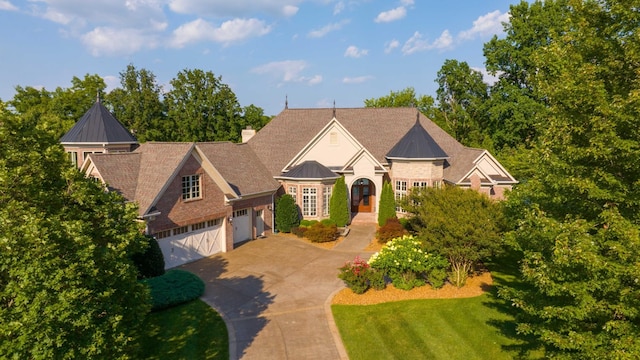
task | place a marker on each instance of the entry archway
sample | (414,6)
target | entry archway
(363,196)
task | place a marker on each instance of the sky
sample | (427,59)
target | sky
(309,53)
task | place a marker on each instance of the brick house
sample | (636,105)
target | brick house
(199,199)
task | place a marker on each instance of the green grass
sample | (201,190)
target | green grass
(188,331)
(481,327)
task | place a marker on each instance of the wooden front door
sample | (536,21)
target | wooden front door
(362,196)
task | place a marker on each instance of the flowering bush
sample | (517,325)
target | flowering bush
(406,263)
(356,275)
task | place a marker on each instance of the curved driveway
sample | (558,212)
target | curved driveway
(275,293)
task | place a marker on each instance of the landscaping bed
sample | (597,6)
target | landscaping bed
(475,286)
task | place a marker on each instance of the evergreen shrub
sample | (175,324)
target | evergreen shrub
(149,263)
(286,213)
(173,288)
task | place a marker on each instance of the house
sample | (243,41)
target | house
(307,149)
(199,199)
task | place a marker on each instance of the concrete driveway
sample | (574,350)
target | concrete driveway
(275,293)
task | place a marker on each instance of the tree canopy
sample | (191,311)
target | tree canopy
(68,288)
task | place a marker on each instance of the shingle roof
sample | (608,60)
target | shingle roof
(417,144)
(98,126)
(377,129)
(119,171)
(240,167)
(309,170)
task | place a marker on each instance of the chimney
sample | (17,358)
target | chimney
(247,134)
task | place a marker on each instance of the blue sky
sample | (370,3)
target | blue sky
(314,52)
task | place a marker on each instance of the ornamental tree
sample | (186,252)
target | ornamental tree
(461,225)
(68,288)
(387,208)
(339,204)
(287,215)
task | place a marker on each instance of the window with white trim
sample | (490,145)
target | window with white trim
(401,193)
(198,226)
(309,201)
(242,212)
(214,222)
(191,187)
(73,156)
(437,184)
(180,230)
(163,234)
(326,199)
(293,192)
(420,184)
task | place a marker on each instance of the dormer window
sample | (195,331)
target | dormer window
(191,187)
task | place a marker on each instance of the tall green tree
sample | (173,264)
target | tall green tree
(404,98)
(339,210)
(387,207)
(461,92)
(200,107)
(462,225)
(138,104)
(287,214)
(576,220)
(67,286)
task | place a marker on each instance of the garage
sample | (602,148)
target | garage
(194,245)
(242,229)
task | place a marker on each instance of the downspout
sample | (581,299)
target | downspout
(273,213)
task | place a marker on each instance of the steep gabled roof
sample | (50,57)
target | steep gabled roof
(309,170)
(240,167)
(119,171)
(98,126)
(417,144)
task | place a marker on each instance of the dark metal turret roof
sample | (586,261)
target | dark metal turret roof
(417,144)
(309,170)
(98,125)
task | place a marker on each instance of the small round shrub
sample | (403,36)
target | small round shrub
(356,275)
(328,222)
(307,223)
(437,277)
(390,230)
(319,233)
(299,231)
(377,279)
(149,263)
(173,288)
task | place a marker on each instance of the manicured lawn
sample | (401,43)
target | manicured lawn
(188,331)
(473,328)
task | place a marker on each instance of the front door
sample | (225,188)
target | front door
(362,196)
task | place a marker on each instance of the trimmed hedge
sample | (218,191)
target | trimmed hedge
(173,288)
(320,233)
(392,229)
(286,213)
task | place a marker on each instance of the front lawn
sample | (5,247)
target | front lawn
(189,331)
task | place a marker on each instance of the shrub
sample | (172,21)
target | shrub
(339,203)
(328,222)
(286,213)
(392,229)
(387,205)
(355,275)
(377,279)
(307,223)
(405,262)
(173,288)
(149,263)
(437,277)
(298,231)
(320,233)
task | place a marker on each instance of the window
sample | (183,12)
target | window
(190,187)
(214,222)
(163,234)
(242,212)
(401,193)
(86,154)
(198,226)
(292,191)
(73,156)
(437,184)
(420,184)
(180,230)
(309,201)
(326,199)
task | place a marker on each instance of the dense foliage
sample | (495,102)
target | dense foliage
(287,214)
(68,288)
(461,225)
(149,263)
(576,218)
(339,210)
(390,230)
(173,288)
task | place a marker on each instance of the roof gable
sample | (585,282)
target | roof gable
(417,144)
(489,170)
(98,126)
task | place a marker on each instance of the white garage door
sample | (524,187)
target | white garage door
(191,246)
(241,225)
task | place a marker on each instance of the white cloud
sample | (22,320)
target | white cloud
(354,52)
(357,79)
(7,5)
(486,77)
(406,2)
(111,81)
(391,15)
(391,45)
(226,8)
(327,29)
(111,41)
(338,8)
(288,71)
(228,32)
(486,25)
(417,43)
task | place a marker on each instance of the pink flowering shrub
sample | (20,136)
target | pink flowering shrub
(356,275)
